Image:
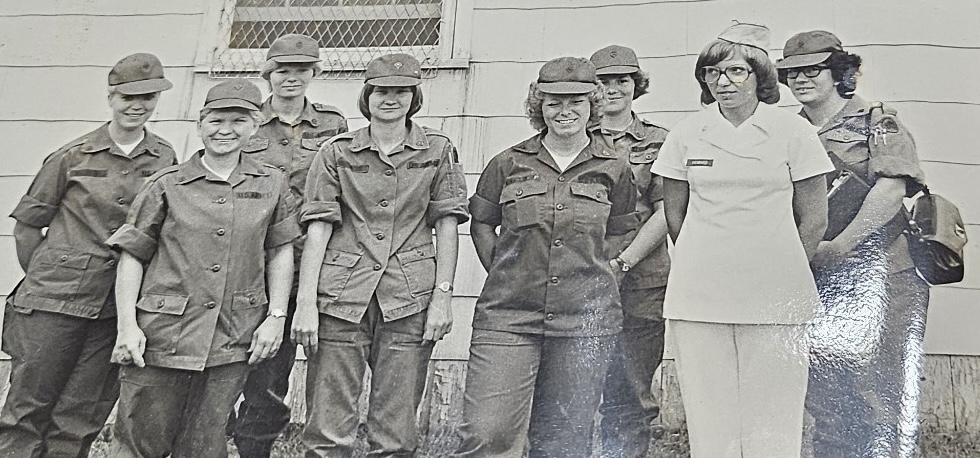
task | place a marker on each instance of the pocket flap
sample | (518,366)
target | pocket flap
(523,189)
(256,144)
(162,303)
(593,191)
(65,258)
(248,299)
(643,156)
(312,143)
(340,258)
(417,254)
(844,136)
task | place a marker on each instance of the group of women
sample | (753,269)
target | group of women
(571,226)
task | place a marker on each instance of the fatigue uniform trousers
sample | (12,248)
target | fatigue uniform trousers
(398,359)
(174,412)
(60,371)
(628,404)
(864,409)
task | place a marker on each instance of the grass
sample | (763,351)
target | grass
(672,444)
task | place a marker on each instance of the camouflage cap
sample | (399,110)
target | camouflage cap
(394,70)
(615,60)
(234,93)
(294,48)
(567,75)
(808,48)
(140,73)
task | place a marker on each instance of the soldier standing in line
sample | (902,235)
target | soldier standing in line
(292,131)
(61,319)
(628,403)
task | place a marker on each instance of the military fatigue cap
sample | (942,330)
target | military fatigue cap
(754,35)
(394,70)
(567,75)
(140,73)
(234,93)
(615,60)
(294,48)
(808,48)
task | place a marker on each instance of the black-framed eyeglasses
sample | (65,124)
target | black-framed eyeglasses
(809,72)
(735,73)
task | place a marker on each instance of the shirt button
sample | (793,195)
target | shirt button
(554,280)
(561,178)
(251,300)
(549,316)
(377,267)
(113,230)
(112,262)
(598,194)
(210,304)
(520,192)
(284,142)
(383,203)
(221,200)
(389,172)
(314,122)
(121,201)
(160,304)
(64,257)
(559,207)
(220,231)
(125,172)
(282,168)
(559,243)
(215,267)
(380,236)
(649,156)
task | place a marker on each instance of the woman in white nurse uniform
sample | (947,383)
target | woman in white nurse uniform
(745,202)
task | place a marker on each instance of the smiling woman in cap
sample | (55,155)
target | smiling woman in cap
(374,289)
(197,248)
(292,131)
(60,321)
(628,404)
(547,318)
(867,347)
(745,205)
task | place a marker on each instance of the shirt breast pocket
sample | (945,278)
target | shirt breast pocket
(850,147)
(591,204)
(160,316)
(419,266)
(337,268)
(521,204)
(57,273)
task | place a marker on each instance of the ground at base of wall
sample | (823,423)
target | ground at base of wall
(673,444)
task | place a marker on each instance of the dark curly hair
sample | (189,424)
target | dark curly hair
(535,100)
(641,82)
(844,68)
(767,82)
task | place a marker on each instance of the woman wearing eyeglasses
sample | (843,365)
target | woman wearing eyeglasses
(867,347)
(744,198)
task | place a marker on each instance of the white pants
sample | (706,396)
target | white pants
(743,387)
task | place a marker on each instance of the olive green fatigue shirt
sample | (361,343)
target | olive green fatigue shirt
(639,144)
(383,208)
(891,153)
(550,272)
(82,194)
(204,238)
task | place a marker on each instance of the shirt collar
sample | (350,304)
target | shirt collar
(634,129)
(194,169)
(756,129)
(100,140)
(308,114)
(596,147)
(415,139)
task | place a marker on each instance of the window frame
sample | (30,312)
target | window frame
(452,52)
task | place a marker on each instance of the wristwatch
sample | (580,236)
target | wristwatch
(277,313)
(445,287)
(623,266)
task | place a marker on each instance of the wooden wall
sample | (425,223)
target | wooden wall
(919,58)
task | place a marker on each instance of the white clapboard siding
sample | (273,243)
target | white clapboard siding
(112,8)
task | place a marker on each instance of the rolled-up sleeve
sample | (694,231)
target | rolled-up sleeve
(283,226)
(141,233)
(40,205)
(485,202)
(893,153)
(448,190)
(322,189)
